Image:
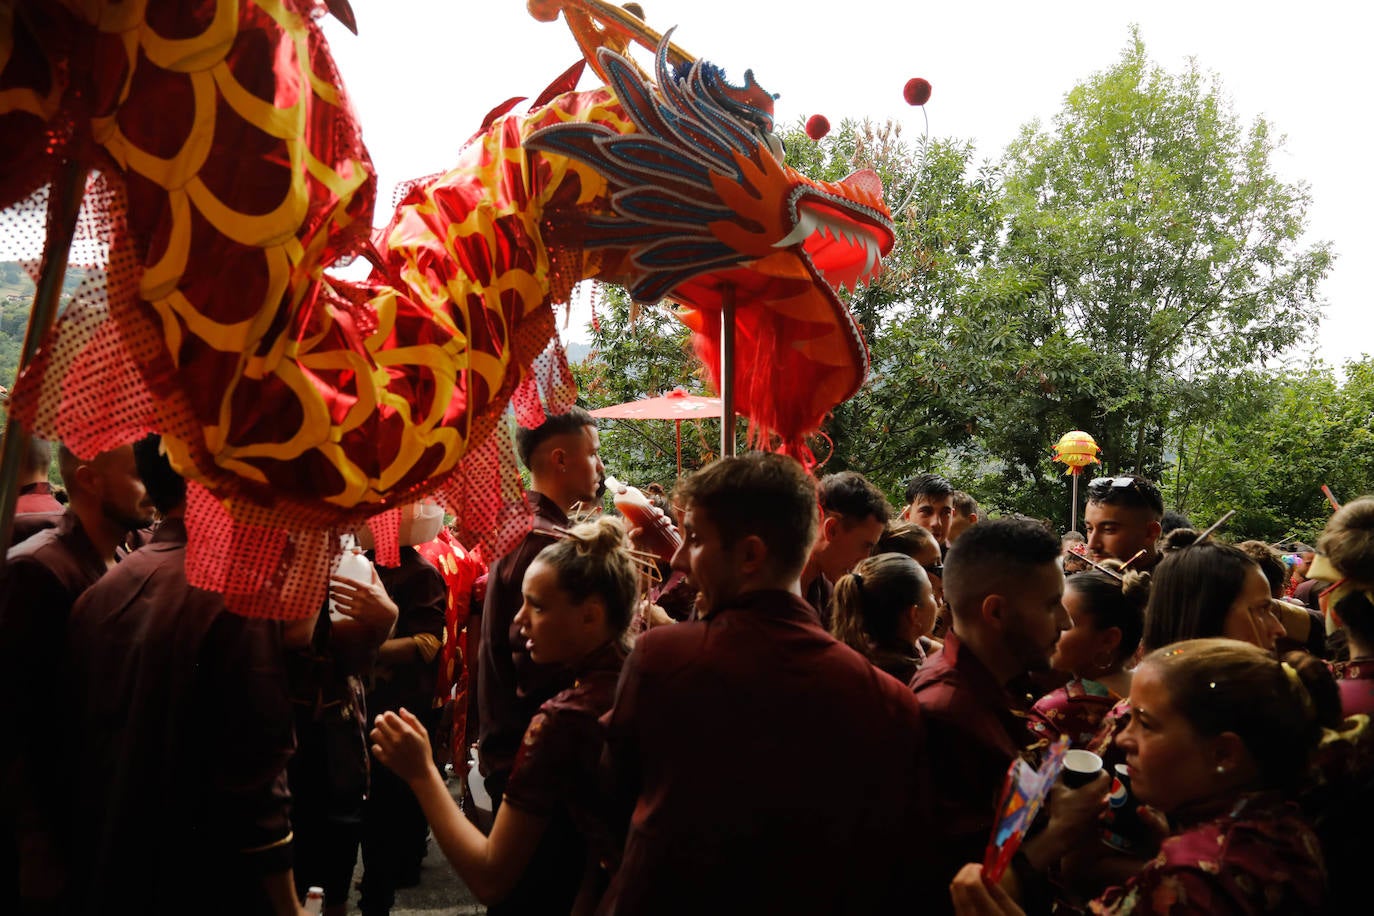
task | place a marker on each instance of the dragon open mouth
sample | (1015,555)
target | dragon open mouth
(843,238)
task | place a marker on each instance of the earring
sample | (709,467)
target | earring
(1221,770)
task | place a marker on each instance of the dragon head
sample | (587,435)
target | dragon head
(703,210)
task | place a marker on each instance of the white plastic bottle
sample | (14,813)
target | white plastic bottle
(314,900)
(352,565)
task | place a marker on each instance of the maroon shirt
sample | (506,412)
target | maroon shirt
(510,685)
(183,729)
(769,769)
(819,594)
(421,597)
(36,497)
(43,578)
(557,776)
(977,728)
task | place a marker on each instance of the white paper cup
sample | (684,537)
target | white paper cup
(1080,768)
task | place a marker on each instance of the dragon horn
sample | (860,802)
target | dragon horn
(596,24)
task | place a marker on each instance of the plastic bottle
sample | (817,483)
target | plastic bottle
(352,565)
(656,532)
(314,900)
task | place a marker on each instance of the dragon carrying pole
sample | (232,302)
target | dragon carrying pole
(64,206)
(727,371)
(1073,506)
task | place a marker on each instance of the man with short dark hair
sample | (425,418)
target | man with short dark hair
(44,576)
(565,470)
(1005,592)
(36,508)
(1173,520)
(35,490)
(1123,518)
(965,513)
(1072,547)
(183,729)
(854,515)
(930,504)
(711,744)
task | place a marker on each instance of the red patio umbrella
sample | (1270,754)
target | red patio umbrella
(676,405)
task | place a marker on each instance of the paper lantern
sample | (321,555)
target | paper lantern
(1076,449)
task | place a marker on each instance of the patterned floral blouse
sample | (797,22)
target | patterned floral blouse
(1256,855)
(1355,679)
(1076,710)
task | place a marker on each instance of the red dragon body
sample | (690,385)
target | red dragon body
(231,174)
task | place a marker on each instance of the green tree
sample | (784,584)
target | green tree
(1276,440)
(1162,240)
(917,401)
(638,353)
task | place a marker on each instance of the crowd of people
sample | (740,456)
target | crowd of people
(810,707)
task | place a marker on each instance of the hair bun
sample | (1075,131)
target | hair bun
(1135,587)
(1316,680)
(600,536)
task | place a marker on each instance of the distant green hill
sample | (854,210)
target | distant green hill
(16,298)
(13,280)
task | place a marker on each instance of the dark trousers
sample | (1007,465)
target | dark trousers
(392,824)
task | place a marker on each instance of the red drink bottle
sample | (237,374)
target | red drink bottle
(656,532)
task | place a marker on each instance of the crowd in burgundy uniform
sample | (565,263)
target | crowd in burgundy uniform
(811,707)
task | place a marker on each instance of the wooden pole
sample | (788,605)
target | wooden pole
(727,371)
(64,205)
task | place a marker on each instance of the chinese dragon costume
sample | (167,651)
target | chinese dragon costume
(229,172)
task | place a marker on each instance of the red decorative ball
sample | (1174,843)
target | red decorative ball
(817,126)
(916,91)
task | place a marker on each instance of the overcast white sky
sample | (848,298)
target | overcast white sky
(422,73)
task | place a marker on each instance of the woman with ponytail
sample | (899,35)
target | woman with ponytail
(1107,609)
(580,595)
(882,610)
(1221,737)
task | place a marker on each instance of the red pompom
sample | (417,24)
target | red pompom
(817,126)
(916,91)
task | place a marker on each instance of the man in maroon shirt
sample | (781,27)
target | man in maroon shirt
(565,470)
(36,508)
(1005,592)
(854,515)
(561,455)
(764,767)
(35,492)
(43,578)
(183,729)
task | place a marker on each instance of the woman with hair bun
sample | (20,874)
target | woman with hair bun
(1221,737)
(882,610)
(1108,615)
(580,595)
